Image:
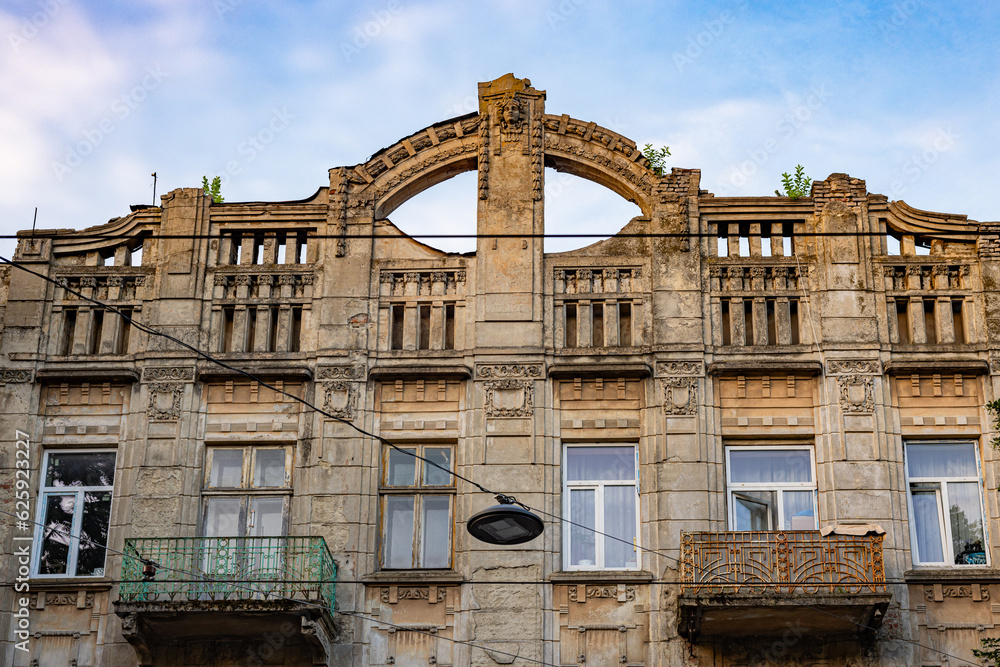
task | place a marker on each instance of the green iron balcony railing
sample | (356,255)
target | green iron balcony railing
(778,563)
(228,569)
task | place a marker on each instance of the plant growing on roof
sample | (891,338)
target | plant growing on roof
(795,186)
(213,189)
(657,158)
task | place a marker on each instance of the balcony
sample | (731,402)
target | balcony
(767,583)
(240,589)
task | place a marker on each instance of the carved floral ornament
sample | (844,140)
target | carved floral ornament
(680,395)
(853,367)
(170,373)
(338,372)
(11,375)
(679,368)
(491,371)
(857,395)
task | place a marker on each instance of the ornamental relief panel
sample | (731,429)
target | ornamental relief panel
(339,398)
(857,395)
(680,395)
(509,398)
(165,401)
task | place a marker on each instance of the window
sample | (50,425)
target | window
(246,491)
(600,497)
(771,488)
(74,512)
(417,500)
(946,504)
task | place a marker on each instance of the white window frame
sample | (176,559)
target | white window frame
(944,508)
(735,487)
(418,491)
(598,486)
(74,545)
(247,492)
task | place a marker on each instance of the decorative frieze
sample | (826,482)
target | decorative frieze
(339,372)
(393,594)
(16,375)
(976,592)
(492,371)
(857,395)
(679,368)
(597,280)
(168,374)
(680,395)
(621,593)
(853,367)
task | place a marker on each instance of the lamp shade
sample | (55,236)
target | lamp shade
(505,524)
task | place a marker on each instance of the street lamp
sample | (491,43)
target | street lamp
(506,523)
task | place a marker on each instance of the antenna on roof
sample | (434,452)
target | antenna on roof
(33,222)
(154,187)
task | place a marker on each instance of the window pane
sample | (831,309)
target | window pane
(619,522)
(582,549)
(227,469)
(90,469)
(399,531)
(269,467)
(402,468)
(755,511)
(222,518)
(266,518)
(600,463)
(94,534)
(799,510)
(951,460)
(770,466)
(928,527)
(966,523)
(435,476)
(436,521)
(56,526)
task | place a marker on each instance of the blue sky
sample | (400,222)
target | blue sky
(94,97)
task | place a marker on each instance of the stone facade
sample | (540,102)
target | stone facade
(709,328)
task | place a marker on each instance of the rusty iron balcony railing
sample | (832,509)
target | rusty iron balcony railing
(776,563)
(228,569)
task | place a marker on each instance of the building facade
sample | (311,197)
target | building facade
(755,427)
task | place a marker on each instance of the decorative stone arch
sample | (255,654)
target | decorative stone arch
(433,155)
